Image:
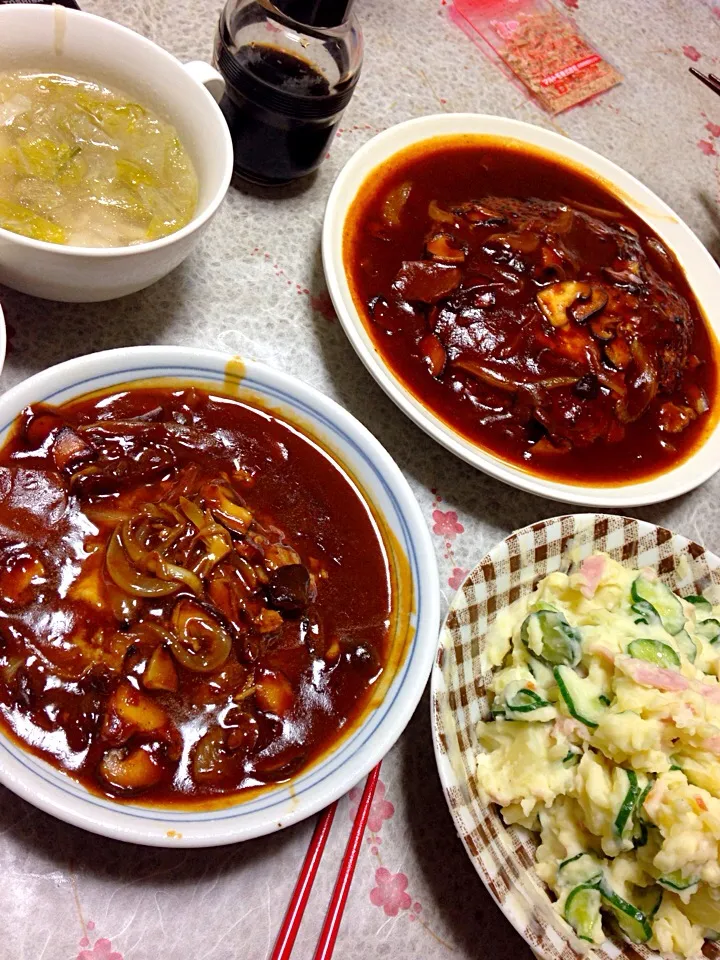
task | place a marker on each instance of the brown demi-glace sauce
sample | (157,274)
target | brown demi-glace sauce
(530,309)
(194,598)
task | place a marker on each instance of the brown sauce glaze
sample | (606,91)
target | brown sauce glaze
(531,310)
(194,598)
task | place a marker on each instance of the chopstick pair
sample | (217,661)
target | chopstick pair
(333,918)
(710,80)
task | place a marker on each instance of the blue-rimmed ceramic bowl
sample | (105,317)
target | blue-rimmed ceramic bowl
(416,602)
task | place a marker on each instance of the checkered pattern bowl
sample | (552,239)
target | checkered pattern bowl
(504,856)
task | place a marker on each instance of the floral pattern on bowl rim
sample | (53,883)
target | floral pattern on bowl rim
(504,856)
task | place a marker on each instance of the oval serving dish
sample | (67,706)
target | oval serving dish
(504,855)
(696,263)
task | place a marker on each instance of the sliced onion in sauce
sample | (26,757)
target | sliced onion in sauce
(129,579)
(436,212)
(198,641)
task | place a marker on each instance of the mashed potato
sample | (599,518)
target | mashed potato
(605,740)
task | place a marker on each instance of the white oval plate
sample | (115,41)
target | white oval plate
(380,480)
(700,268)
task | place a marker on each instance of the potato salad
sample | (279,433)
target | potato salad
(605,740)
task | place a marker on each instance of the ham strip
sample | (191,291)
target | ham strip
(591,572)
(648,675)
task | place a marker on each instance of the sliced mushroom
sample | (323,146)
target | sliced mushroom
(433,352)
(243,733)
(604,326)
(555,300)
(70,450)
(675,417)
(420,280)
(618,353)
(444,248)
(626,275)
(563,222)
(659,251)
(394,203)
(436,212)
(213,762)
(642,383)
(602,212)
(545,446)
(587,387)
(551,267)
(491,377)
(291,588)
(697,398)
(481,214)
(519,242)
(40,426)
(394,315)
(585,309)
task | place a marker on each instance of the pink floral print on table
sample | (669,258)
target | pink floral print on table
(446,524)
(692,53)
(457,577)
(102,950)
(708,148)
(380,810)
(713,128)
(391,892)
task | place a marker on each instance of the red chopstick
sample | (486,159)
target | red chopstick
(333,919)
(296,908)
(293,917)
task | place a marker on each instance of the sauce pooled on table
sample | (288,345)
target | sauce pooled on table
(531,310)
(194,599)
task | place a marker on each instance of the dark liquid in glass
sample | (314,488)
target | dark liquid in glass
(280,110)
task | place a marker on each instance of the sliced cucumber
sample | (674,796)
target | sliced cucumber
(632,921)
(604,700)
(571,758)
(627,807)
(703,607)
(640,835)
(676,881)
(639,808)
(582,910)
(560,642)
(686,645)
(710,629)
(646,613)
(648,899)
(525,701)
(545,606)
(662,599)
(654,652)
(582,868)
(580,696)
